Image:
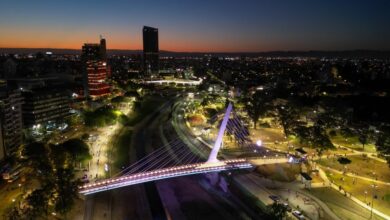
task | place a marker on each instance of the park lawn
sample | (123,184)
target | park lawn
(352,142)
(382,203)
(362,166)
(279,172)
(343,207)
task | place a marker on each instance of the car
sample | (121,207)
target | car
(274,198)
(298,215)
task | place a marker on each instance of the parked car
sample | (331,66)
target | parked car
(298,215)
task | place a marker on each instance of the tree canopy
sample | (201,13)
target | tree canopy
(101,117)
(78,149)
(383,144)
(344,160)
(276,211)
(257,105)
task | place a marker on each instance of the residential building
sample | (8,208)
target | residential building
(11,102)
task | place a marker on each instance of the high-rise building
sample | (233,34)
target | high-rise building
(151,51)
(11,102)
(93,51)
(94,58)
(44,104)
(97,74)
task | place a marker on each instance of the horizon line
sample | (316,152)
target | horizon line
(172,51)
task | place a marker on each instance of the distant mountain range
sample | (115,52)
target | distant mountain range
(345,53)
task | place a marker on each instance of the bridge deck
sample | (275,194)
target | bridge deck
(184,170)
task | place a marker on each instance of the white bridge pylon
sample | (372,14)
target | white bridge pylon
(218,143)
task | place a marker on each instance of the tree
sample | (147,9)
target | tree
(38,202)
(100,117)
(344,160)
(14,214)
(77,149)
(34,150)
(363,139)
(321,139)
(132,94)
(287,117)
(257,105)
(383,144)
(58,155)
(118,99)
(276,211)
(314,136)
(66,189)
(37,153)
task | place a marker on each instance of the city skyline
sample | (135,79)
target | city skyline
(186,26)
(191,109)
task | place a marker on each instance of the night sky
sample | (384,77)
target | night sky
(199,25)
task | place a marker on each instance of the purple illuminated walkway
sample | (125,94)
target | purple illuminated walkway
(184,170)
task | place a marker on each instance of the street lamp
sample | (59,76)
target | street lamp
(365,196)
(259,143)
(374,186)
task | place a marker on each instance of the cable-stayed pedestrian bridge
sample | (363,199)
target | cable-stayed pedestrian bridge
(177,160)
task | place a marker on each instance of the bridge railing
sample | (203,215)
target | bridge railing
(162,174)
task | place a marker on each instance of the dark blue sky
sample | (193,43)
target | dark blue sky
(202,25)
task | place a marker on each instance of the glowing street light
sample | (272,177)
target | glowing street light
(259,143)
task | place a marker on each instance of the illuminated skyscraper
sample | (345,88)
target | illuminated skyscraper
(94,58)
(151,51)
(97,74)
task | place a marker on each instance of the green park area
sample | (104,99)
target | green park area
(103,116)
(352,142)
(365,191)
(342,206)
(362,166)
